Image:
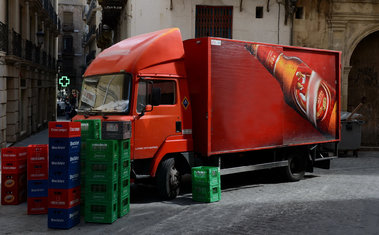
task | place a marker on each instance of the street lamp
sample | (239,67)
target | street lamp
(40,38)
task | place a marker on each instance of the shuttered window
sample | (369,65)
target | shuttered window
(68,18)
(214,21)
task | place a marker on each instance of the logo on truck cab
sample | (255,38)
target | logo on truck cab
(185,103)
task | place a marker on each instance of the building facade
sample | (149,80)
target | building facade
(92,17)
(258,20)
(28,31)
(70,48)
(351,27)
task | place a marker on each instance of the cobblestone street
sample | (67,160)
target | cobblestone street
(342,200)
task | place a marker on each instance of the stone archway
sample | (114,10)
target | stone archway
(363,80)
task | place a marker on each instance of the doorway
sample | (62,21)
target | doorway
(364,82)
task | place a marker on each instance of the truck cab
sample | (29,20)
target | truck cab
(141,80)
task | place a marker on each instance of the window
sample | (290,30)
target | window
(299,13)
(68,18)
(68,22)
(145,87)
(106,93)
(259,12)
(214,21)
(67,43)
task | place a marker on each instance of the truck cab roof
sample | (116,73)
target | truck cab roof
(159,53)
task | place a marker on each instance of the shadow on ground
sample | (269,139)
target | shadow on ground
(147,193)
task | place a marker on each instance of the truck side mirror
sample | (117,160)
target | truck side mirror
(156,96)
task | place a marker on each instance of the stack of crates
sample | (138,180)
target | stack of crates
(107,180)
(13,178)
(124,179)
(64,175)
(90,129)
(206,184)
(102,169)
(37,175)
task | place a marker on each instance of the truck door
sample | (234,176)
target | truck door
(157,122)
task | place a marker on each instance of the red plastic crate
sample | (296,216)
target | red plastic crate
(38,153)
(13,181)
(38,170)
(13,166)
(12,196)
(37,205)
(64,198)
(64,129)
(14,153)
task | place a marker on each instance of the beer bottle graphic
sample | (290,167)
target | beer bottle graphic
(303,89)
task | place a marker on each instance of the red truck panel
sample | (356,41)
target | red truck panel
(156,53)
(242,98)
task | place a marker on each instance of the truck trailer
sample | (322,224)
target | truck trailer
(238,105)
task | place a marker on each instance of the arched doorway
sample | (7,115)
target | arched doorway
(364,82)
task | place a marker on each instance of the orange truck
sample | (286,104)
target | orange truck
(238,105)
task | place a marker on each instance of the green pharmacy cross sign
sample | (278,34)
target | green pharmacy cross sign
(64,81)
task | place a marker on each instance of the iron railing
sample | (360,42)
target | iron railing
(92,30)
(22,49)
(28,50)
(90,57)
(44,58)
(92,6)
(37,55)
(15,43)
(46,4)
(3,37)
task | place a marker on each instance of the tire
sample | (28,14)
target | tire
(168,179)
(297,164)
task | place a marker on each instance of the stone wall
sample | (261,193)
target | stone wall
(342,25)
(3,102)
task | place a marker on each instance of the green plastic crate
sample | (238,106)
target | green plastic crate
(207,175)
(83,144)
(100,190)
(101,212)
(82,166)
(123,206)
(102,170)
(125,149)
(124,168)
(102,150)
(204,193)
(124,186)
(90,129)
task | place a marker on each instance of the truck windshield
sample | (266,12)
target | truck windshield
(106,93)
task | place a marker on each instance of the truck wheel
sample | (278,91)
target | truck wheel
(295,170)
(168,179)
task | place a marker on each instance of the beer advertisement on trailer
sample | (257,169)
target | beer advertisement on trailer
(269,95)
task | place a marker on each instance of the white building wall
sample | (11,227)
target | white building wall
(142,16)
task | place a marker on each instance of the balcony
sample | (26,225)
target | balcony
(3,37)
(36,55)
(28,50)
(91,34)
(90,57)
(67,27)
(111,4)
(14,43)
(49,13)
(111,11)
(23,51)
(91,11)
